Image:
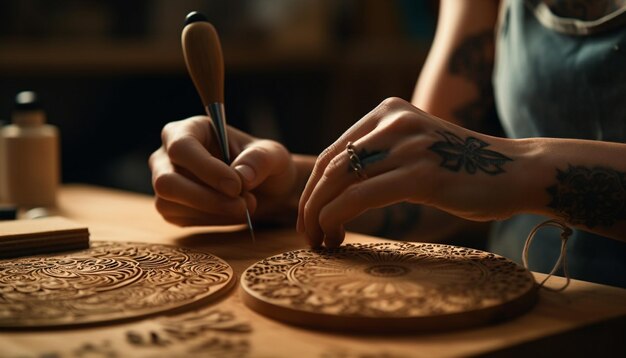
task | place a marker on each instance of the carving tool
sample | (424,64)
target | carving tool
(205,63)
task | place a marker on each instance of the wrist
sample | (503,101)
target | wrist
(531,176)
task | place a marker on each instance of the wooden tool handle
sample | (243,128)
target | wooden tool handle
(203,56)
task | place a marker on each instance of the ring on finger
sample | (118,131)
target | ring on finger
(355,162)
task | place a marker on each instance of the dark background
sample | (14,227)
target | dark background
(111,73)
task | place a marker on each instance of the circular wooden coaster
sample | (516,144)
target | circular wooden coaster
(388,287)
(109,281)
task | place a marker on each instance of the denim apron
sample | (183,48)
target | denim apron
(560,77)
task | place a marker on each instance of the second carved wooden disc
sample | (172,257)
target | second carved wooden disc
(110,281)
(391,286)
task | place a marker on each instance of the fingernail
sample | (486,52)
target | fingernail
(246,172)
(229,187)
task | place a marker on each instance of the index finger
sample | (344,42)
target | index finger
(186,143)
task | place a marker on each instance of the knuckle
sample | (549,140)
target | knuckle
(178,147)
(169,126)
(333,168)
(270,146)
(403,122)
(323,160)
(164,184)
(327,154)
(153,158)
(393,102)
(261,155)
(274,151)
(167,131)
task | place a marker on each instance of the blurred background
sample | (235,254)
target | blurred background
(110,73)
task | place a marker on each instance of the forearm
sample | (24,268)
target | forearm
(455,82)
(581,182)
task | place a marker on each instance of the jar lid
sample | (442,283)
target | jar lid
(8,212)
(27,101)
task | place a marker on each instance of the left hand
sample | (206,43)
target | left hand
(406,155)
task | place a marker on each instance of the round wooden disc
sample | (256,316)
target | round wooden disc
(388,286)
(109,281)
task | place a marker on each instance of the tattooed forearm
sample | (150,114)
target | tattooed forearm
(590,197)
(470,154)
(473,60)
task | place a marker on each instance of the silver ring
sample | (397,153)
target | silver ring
(355,162)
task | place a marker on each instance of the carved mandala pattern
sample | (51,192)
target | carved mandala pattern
(108,281)
(384,280)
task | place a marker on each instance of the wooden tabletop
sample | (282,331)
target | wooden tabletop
(586,318)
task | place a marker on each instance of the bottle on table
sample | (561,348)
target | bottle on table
(29,172)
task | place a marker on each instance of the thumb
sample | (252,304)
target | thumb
(261,160)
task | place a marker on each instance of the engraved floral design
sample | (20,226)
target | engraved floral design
(386,280)
(108,281)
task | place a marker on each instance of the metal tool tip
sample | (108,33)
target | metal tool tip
(195,16)
(250,226)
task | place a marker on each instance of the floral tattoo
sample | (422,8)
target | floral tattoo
(590,197)
(469,154)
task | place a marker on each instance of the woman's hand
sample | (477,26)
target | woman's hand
(407,155)
(194,186)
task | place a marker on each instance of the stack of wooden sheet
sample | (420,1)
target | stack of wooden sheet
(31,237)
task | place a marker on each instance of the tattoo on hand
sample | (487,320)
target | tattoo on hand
(469,154)
(591,197)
